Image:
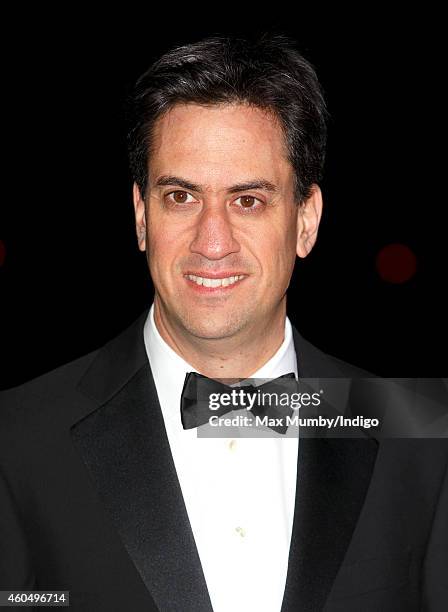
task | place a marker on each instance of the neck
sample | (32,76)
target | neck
(238,356)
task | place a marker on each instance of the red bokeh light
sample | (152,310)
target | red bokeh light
(396,263)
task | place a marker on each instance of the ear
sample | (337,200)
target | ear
(308,219)
(140,217)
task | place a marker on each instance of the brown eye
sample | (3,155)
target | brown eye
(180,197)
(247,201)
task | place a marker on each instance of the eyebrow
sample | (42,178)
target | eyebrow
(246,186)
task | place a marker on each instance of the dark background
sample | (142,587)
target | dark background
(71,276)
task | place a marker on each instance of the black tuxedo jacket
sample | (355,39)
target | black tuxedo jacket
(90,501)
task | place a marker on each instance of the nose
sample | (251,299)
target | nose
(214,237)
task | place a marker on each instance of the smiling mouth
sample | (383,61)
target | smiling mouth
(213,283)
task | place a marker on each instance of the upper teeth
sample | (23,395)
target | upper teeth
(214,282)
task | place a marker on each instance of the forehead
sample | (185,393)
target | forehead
(215,144)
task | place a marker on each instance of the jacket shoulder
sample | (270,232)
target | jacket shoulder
(52,400)
(58,377)
(41,395)
(315,363)
(351,370)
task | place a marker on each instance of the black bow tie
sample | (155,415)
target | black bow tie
(198,389)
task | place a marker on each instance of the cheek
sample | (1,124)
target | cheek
(278,260)
(160,236)
(278,251)
(164,248)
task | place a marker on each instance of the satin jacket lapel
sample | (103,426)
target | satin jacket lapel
(333,476)
(124,445)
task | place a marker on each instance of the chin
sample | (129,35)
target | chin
(213,327)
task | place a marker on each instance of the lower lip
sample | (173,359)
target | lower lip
(213,290)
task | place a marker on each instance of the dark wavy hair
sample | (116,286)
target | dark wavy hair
(268,73)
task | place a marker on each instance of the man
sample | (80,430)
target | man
(103,491)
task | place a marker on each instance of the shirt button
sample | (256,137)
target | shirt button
(232,445)
(240,531)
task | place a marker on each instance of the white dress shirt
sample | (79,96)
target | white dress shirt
(239,493)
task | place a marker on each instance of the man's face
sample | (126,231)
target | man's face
(220,224)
